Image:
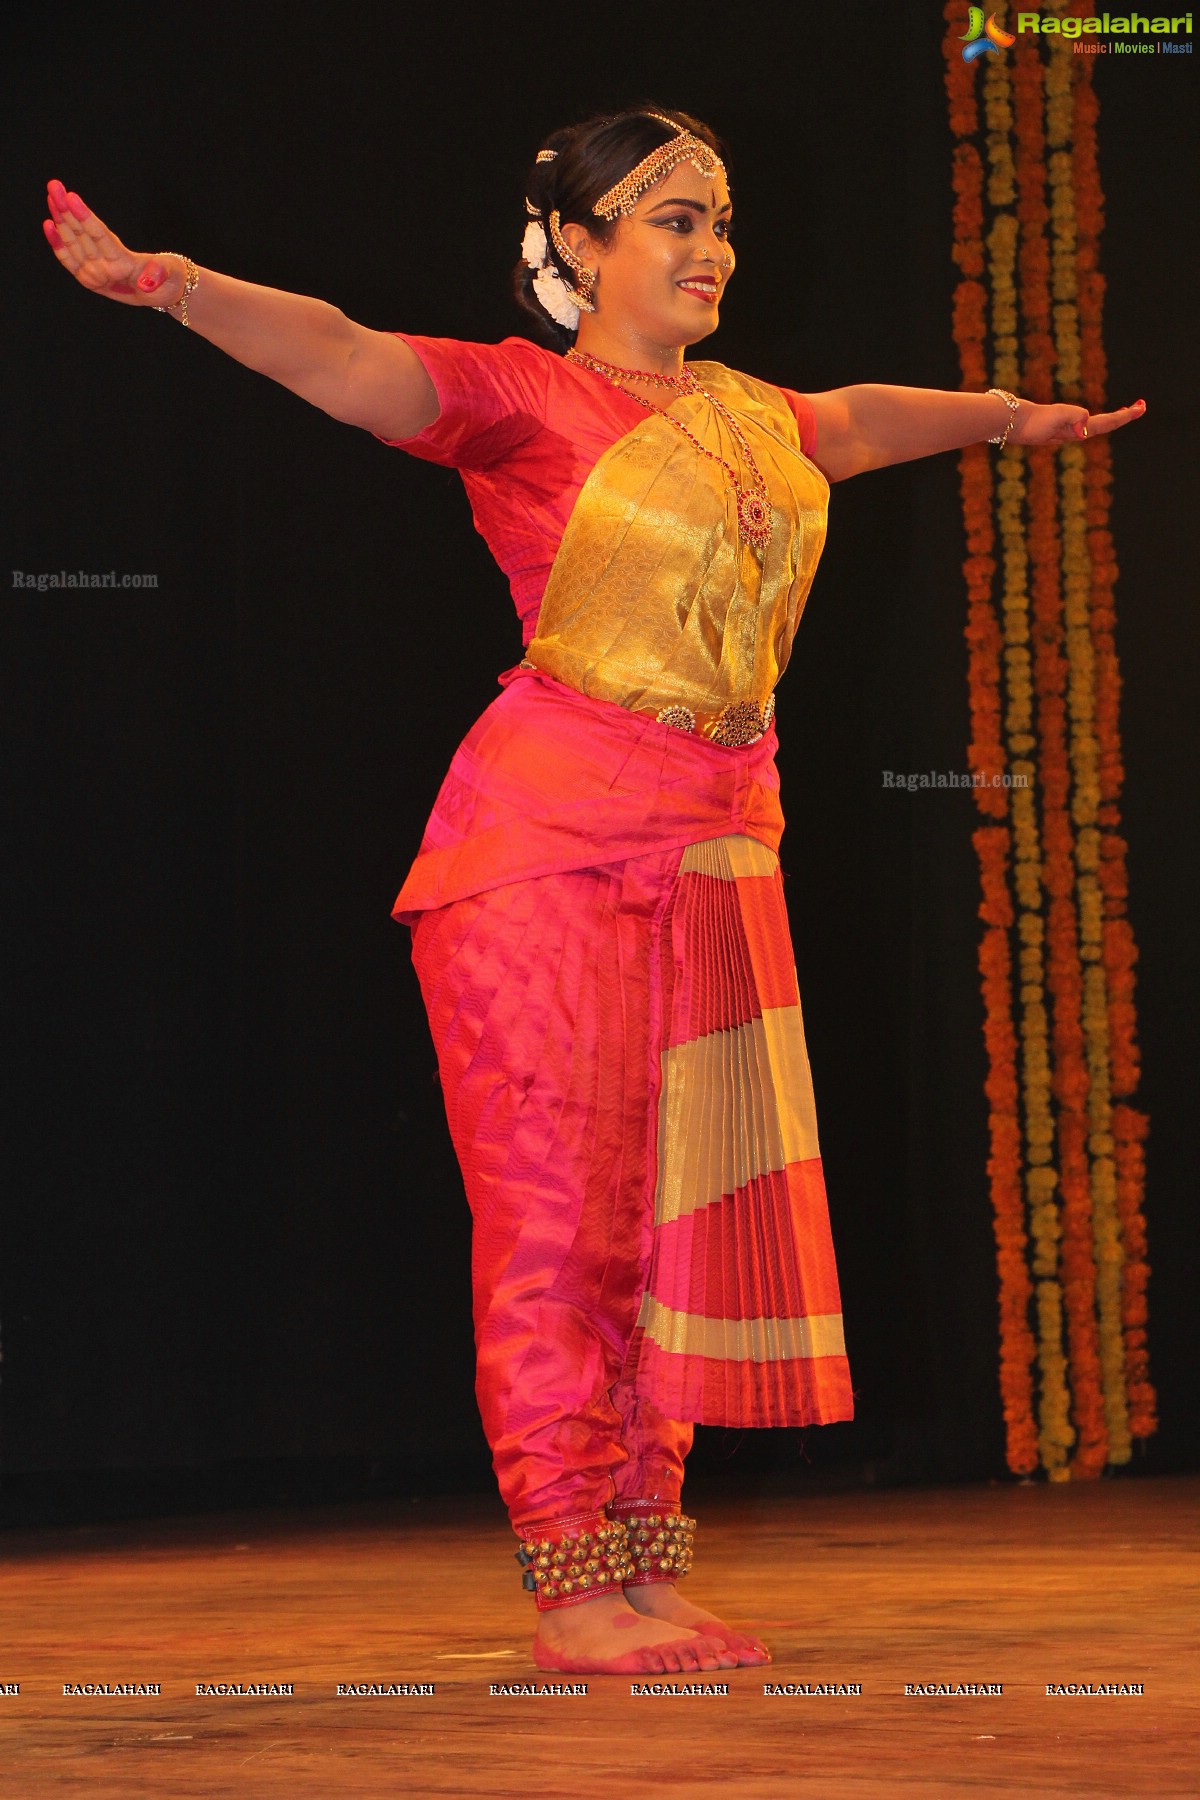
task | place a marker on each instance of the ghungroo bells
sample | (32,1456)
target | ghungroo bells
(660,1541)
(575,1560)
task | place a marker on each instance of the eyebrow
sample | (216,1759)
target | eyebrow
(696,206)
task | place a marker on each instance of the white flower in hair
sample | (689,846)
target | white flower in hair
(535,251)
(552,293)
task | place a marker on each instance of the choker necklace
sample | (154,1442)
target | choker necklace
(753,501)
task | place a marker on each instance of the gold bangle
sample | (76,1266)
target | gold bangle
(191,282)
(1012,403)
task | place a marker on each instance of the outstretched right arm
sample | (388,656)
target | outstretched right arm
(363,377)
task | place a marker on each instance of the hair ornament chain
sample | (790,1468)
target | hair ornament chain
(585,278)
(554,293)
(624,195)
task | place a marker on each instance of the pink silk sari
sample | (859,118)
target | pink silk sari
(664,1050)
(600,935)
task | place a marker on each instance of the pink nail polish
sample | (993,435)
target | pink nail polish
(77,206)
(52,237)
(148,281)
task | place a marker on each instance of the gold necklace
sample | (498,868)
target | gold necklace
(753,502)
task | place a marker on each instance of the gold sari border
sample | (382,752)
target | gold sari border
(741,1340)
(707,1153)
(729,859)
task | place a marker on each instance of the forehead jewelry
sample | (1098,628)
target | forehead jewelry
(753,501)
(683,147)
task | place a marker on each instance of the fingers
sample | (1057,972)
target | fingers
(1054,425)
(69,241)
(152,277)
(85,230)
(1099,424)
(1060,423)
(85,246)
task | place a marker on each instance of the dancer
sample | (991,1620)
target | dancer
(597,911)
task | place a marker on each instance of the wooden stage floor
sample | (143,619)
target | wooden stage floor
(1018,1586)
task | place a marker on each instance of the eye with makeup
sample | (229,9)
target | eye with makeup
(684,221)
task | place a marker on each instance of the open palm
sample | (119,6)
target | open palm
(97,258)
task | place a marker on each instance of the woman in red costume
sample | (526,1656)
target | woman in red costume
(597,910)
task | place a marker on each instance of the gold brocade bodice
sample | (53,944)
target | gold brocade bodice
(654,601)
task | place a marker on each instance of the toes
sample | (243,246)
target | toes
(748,1650)
(727,1657)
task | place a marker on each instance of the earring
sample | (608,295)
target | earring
(585,278)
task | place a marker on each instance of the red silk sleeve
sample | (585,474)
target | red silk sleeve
(492,399)
(806,419)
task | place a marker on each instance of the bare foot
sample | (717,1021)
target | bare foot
(607,1636)
(662,1600)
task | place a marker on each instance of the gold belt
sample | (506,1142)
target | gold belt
(741,722)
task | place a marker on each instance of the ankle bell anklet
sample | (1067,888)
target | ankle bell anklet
(574,1559)
(660,1540)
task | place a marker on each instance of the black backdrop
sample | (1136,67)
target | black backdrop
(235,1248)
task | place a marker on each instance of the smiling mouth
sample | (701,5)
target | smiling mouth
(703,289)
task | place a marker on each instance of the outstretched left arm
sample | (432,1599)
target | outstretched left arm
(871,426)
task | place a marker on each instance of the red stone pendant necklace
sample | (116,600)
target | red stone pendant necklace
(753,501)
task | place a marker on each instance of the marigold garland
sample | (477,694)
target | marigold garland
(1066,1167)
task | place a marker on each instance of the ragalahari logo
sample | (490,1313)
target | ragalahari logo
(983,40)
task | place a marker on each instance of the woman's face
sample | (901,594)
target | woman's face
(662,275)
